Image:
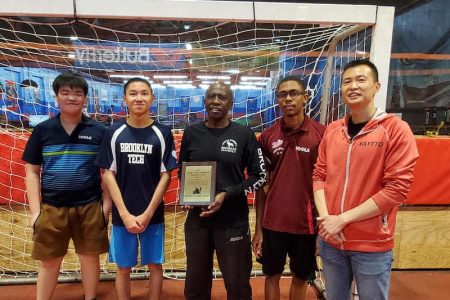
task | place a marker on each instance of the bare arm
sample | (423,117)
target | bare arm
(324,218)
(161,188)
(107,201)
(33,183)
(321,205)
(130,221)
(260,201)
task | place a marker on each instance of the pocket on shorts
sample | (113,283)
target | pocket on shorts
(102,212)
(36,221)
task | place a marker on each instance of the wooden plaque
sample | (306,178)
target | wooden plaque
(198,183)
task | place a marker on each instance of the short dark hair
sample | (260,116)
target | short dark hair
(72,80)
(362,62)
(136,79)
(292,78)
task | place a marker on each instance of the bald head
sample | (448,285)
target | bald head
(221,85)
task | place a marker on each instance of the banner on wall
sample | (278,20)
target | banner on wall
(129,56)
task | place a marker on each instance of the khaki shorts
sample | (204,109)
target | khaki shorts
(55,226)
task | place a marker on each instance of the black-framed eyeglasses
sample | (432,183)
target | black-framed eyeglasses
(292,93)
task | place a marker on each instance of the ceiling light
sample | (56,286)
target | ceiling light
(188,46)
(260,83)
(213,77)
(73,38)
(129,76)
(210,82)
(245,87)
(232,71)
(251,78)
(177,82)
(170,76)
(182,86)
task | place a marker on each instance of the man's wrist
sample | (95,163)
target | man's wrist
(345,218)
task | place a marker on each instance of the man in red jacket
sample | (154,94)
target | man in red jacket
(363,172)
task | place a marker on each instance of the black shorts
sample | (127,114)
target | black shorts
(301,249)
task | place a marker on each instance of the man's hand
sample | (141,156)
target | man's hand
(143,220)
(215,206)
(330,228)
(132,224)
(257,243)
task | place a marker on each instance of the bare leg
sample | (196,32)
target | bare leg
(272,287)
(123,288)
(47,278)
(298,289)
(90,273)
(155,281)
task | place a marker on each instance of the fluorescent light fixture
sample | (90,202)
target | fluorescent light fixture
(260,83)
(245,87)
(220,77)
(190,61)
(177,82)
(182,86)
(129,76)
(188,46)
(251,78)
(71,55)
(210,81)
(204,86)
(232,71)
(73,38)
(170,76)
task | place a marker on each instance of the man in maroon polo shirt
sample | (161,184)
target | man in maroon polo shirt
(285,212)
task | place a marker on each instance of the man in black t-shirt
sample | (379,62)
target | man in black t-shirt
(222,226)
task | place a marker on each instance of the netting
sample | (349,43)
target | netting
(180,59)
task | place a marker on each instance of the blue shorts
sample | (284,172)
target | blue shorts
(123,248)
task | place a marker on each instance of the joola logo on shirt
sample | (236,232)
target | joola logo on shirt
(371,144)
(84,137)
(229,145)
(236,238)
(302,149)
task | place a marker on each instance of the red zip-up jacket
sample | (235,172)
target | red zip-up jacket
(377,163)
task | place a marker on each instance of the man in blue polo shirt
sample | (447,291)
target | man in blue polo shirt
(285,215)
(64,189)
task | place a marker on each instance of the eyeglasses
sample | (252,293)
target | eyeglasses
(292,93)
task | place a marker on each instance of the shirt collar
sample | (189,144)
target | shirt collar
(304,127)
(85,120)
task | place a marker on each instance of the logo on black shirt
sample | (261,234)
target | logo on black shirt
(85,137)
(229,145)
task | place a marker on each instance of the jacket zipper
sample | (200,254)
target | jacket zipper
(347,168)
